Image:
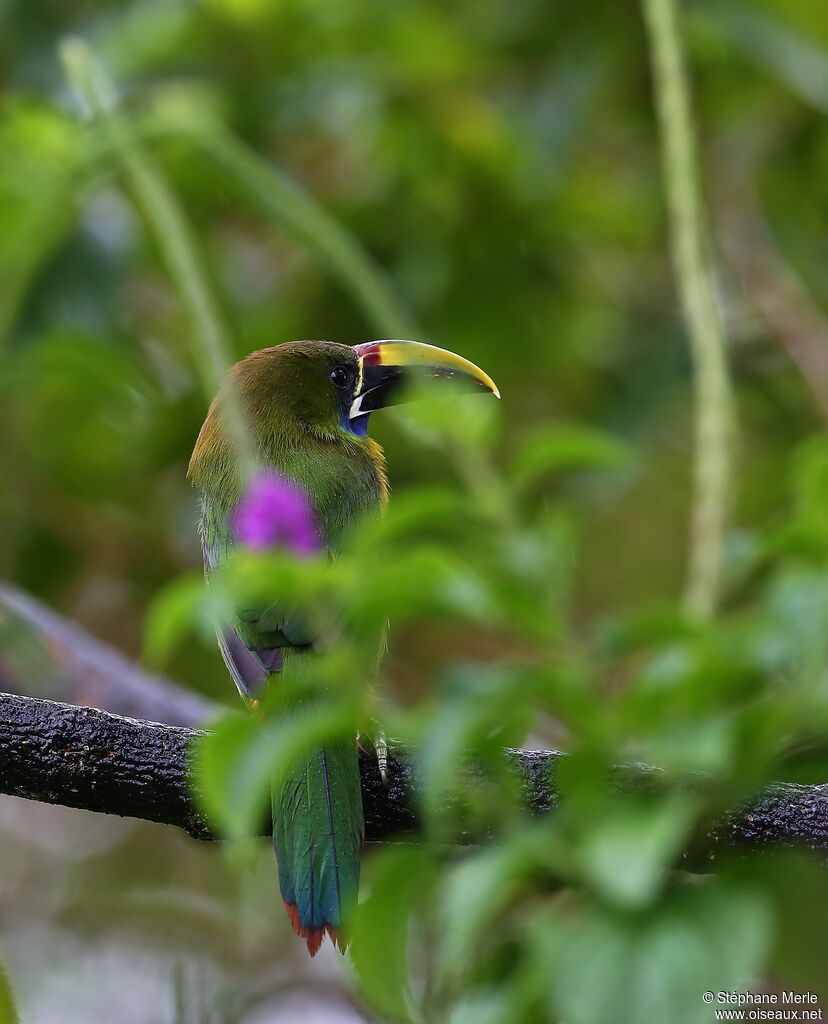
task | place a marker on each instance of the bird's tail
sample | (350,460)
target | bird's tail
(318,829)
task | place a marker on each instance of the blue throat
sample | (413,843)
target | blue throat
(359,426)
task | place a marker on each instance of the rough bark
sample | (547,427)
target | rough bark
(87,758)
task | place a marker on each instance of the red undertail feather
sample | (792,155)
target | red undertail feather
(314,936)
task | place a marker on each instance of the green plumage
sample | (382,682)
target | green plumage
(306,406)
(317,833)
(299,429)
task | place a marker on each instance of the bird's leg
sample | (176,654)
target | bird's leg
(381,749)
(380,745)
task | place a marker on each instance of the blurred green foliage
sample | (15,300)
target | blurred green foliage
(8,1011)
(585,914)
(495,165)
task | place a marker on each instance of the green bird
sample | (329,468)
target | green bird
(307,405)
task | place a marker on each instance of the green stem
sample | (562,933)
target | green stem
(213,351)
(292,208)
(712,385)
(8,1010)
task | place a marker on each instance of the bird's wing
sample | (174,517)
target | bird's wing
(252,645)
(249,669)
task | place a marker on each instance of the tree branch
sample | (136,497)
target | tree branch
(45,654)
(87,758)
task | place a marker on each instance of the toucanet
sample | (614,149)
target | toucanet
(306,406)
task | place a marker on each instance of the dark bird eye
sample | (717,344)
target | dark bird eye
(339,377)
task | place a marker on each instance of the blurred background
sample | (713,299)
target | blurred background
(498,162)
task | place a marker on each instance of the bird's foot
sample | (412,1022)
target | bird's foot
(381,750)
(380,745)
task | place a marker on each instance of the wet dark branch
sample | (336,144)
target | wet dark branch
(83,757)
(87,758)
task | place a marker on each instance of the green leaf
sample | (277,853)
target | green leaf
(480,888)
(797,622)
(797,883)
(616,969)
(691,744)
(185,606)
(626,854)
(501,1005)
(408,584)
(484,711)
(237,761)
(441,412)
(417,512)
(232,764)
(252,578)
(642,629)
(41,153)
(559,448)
(8,1009)
(400,882)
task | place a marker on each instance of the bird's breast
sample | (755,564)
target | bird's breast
(345,481)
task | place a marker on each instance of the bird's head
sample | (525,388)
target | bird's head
(319,388)
(325,388)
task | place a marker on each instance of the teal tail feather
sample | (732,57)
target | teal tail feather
(318,829)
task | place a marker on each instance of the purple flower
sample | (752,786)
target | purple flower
(274,512)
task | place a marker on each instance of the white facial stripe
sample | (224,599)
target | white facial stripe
(356,407)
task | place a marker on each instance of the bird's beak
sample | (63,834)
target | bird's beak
(386,367)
